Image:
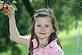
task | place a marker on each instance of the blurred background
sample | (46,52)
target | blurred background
(67,12)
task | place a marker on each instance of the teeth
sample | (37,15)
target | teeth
(42,32)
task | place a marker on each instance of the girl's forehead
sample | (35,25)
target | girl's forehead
(43,20)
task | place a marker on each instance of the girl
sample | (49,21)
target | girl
(44,33)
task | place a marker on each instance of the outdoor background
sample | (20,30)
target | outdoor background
(68,14)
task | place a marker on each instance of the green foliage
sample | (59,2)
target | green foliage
(67,13)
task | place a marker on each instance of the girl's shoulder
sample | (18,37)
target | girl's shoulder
(55,48)
(53,44)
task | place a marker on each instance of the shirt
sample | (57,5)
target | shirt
(51,49)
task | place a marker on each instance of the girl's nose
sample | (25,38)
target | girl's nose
(42,29)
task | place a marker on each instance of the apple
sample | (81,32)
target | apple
(6,10)
(1,5)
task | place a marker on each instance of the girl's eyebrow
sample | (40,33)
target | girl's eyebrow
(45,24)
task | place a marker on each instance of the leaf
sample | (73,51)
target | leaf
(14,7)
(14,1)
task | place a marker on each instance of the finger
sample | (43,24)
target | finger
(6,9)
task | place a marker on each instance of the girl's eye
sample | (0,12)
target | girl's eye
(38,25)
(46,26)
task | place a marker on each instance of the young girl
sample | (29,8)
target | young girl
(44,33)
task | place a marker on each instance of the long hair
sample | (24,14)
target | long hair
(43,13)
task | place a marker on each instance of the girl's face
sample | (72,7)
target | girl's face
(43,27)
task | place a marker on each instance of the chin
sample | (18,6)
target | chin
(42,37)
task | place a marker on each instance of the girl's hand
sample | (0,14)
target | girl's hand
(7,10)
(11,12)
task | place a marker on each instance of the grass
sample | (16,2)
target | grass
(71,41)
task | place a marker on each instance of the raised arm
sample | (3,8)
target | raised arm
(14,33)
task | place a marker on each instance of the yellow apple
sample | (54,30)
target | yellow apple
(6,10)
(1,5)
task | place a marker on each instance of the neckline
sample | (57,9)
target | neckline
(50,44)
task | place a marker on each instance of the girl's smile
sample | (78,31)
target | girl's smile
(42,34)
